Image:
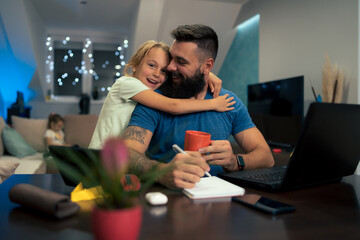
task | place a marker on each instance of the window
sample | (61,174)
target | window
(66,74)
(80,66)
(108,62)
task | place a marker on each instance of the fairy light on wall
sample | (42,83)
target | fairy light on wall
(83,68)
(50,67)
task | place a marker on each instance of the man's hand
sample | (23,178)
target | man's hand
(257,153)
(184,170)
(223,103)
(220,153)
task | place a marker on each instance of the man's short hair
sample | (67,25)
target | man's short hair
(203,36)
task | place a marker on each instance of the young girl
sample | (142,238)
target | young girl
(54,135)
(149,71)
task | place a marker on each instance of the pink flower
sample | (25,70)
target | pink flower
(114,156)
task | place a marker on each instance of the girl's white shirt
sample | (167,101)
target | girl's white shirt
(57,138)
(117,109)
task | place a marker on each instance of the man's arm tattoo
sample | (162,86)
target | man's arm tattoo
(135,133)
(140,162)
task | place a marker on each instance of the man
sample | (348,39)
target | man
(194,51)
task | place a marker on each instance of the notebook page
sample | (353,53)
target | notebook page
(213,187)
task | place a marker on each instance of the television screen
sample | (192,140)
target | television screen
(277,109)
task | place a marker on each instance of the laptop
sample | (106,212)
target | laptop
(64,155)
(327,150)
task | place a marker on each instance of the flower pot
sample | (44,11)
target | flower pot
(116,224)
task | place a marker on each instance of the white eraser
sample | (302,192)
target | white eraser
(156,198)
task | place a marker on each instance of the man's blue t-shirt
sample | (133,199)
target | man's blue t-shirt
(169,129)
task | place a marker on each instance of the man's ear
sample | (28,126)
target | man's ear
(208,65)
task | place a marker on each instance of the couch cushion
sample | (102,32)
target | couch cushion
(15,144)
(7,168)
(2,125)
(33,164)
(79,129)
(32,130)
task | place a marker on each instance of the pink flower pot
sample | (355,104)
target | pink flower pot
(116,224)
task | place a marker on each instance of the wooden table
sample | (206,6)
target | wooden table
(325,212)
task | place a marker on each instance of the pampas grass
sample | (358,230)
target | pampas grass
(332,82)
(327,80)
(340,86)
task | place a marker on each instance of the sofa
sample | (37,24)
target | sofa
(22,146)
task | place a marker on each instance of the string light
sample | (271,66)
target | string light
(87,64)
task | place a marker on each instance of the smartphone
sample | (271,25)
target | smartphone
(264,204)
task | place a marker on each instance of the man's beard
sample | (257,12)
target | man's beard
(187,88)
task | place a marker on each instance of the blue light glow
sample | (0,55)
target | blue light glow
(249,23)
(241,64)
(15,74)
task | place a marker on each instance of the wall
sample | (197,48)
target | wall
(295,35)
(241,65)
(16,53)
(171,13)
(37,35)
(147,22)
(218,15)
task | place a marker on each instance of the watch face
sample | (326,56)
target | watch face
(241,162)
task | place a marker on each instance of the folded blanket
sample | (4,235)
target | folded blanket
(44,201)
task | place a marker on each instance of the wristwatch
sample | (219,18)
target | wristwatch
(241,162)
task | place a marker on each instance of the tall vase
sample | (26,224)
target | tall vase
(117,224)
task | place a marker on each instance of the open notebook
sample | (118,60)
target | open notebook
(213,187)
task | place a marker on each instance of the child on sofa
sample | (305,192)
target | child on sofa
(149,71)
(54,134)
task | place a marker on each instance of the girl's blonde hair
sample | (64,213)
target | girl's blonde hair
(142,52)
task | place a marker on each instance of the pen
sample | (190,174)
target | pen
(179,150)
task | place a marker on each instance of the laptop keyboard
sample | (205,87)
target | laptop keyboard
(267,177)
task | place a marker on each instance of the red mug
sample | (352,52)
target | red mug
(194,140)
